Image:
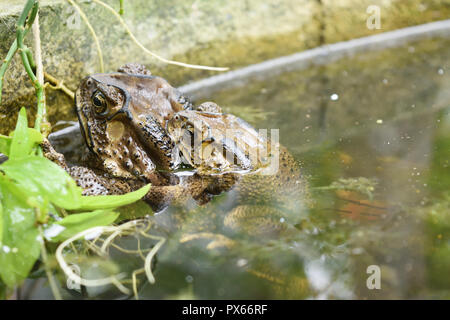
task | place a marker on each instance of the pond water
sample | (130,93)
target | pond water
(382,116)
(372,134)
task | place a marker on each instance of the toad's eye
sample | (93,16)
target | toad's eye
(99,101)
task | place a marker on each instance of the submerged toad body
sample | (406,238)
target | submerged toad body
(268,180)
(131,123)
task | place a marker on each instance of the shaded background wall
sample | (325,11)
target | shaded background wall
(231,33)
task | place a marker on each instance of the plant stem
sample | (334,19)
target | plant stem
(121,7)
(91,29)
(48,271)
(22,25)
(30,11)
(37,48)
(30,57)
(13,49)
(5,65)
(127,29)
(41,117)
(56,84)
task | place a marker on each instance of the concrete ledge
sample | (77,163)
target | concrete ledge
(318,56)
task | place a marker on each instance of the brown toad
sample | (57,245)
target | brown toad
(121,117)
(128,119)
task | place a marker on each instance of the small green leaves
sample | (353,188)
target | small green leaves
(109,202)
(34,137)
(1,223)
(24,139)
(5,144)
(20,141)
(75,223)
(42,177)
(31,187)
(20,246)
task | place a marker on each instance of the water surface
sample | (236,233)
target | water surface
(372,134)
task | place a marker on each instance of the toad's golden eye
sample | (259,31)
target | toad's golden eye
(99,102)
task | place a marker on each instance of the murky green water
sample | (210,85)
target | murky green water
(382,118)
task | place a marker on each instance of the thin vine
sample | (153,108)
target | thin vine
(56,84)
(24,23)
(136,41)
(92,31)
(121,7)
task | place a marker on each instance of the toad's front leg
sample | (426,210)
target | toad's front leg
(166,190)
(92,181)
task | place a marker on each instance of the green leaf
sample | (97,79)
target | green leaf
(5,144)
(20,141)
(34,138)
(20,247)
(2,291)
(24,139)
(108,202)
(75,223)
(35,201)
(1,222)
(40,176)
